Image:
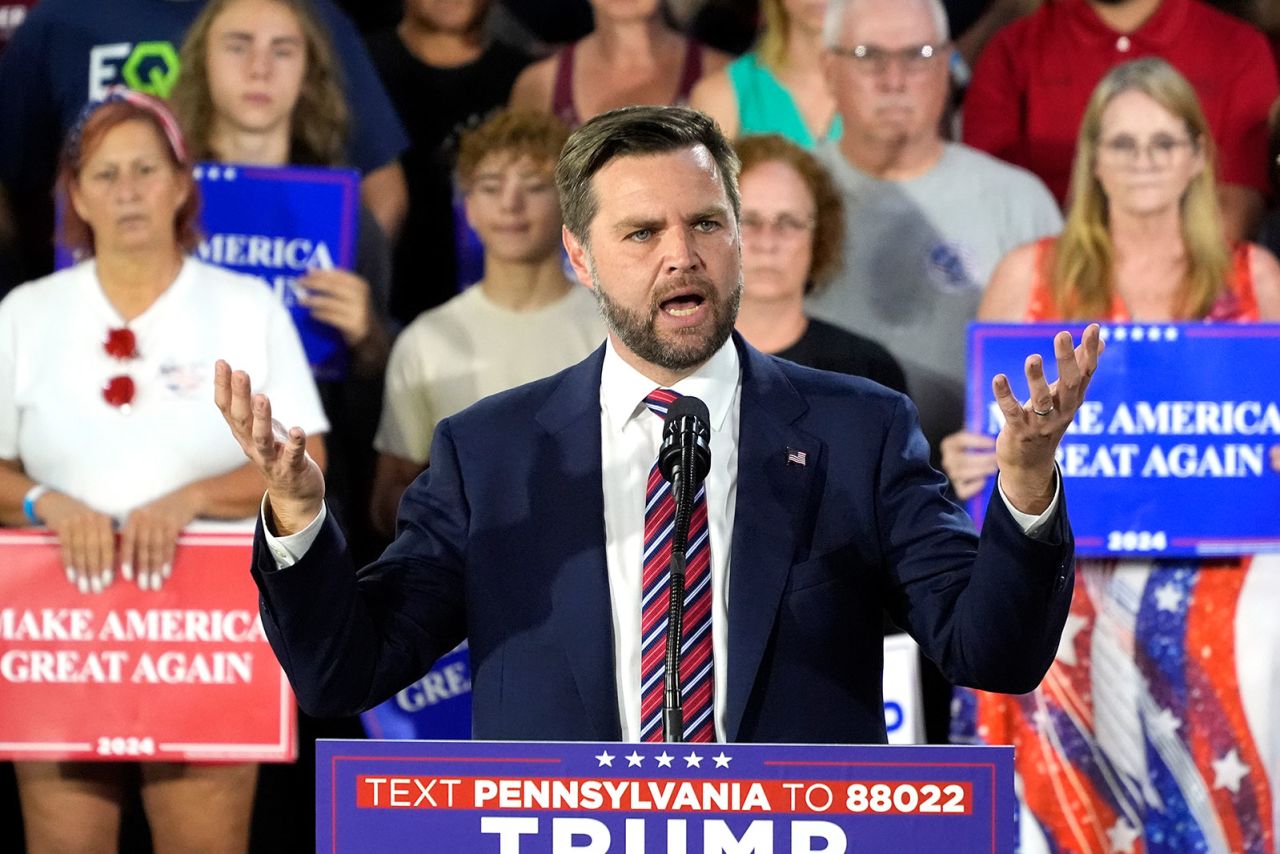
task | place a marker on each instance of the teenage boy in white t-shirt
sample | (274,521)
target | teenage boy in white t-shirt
(523,321)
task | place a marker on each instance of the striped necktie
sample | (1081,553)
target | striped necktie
(697,683)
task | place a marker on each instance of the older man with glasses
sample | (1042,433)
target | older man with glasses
(926,220)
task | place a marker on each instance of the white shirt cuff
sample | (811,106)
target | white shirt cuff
(1032,526)
(289,550)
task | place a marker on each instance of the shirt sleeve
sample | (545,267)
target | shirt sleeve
(994,103)
(1034,526)
(1242,131)
(407,421)
(288,550)
(377,137)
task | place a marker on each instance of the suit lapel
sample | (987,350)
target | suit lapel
(582,609)
(770,517)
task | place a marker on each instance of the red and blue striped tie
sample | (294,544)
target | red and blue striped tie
(697,681)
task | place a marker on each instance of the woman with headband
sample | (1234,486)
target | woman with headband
(106,371)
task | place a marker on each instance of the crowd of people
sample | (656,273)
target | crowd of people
(907,166)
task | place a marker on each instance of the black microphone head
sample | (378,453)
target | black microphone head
(683,407)
(688,427)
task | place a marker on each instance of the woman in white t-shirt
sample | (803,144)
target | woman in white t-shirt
(109,437)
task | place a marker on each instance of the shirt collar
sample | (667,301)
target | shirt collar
(1157,31)
(623,388)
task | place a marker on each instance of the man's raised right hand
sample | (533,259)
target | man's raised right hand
(295,484)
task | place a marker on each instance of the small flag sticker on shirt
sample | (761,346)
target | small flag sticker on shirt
(796,458)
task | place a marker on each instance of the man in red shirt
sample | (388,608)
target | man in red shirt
(1034,77)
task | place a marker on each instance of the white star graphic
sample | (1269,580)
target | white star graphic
(1153,333)
(1042,719)
(605,759)
(1104,333)
(664,759)
(1138,333)
(693,760)
(1168,597)
(1122,836)
(722,761)
(1171,333)
(1164,725)
(634,760)
(1229,771)
(1121,333)
(1067,646)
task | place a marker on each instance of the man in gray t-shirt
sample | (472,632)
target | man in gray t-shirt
(926,220)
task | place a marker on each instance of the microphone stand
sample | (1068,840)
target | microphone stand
(682,487)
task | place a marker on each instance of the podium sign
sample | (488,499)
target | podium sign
(1169,455)
(539,797)
(183,673)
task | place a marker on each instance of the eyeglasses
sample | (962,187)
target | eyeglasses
(870,59)
(1126,150)
(119,391)
(788,226)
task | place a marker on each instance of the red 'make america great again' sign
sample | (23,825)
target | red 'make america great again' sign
(180,674)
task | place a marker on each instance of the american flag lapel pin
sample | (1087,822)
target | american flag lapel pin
(796,457)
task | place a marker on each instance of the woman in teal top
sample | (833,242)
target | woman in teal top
(778,87)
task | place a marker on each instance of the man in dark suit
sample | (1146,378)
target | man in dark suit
(534,530)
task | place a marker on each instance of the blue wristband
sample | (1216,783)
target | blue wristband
(29,503)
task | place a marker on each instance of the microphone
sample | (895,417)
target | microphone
(684,460)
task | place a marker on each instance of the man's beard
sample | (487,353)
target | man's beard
(684,349)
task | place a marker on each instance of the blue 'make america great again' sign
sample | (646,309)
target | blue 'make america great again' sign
(1170,455)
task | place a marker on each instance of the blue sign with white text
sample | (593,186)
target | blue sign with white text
(278,224)
(1170,454)
(437,706)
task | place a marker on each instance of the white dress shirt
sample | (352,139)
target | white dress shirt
(630,434)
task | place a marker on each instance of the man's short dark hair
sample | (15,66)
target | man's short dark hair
(635,131)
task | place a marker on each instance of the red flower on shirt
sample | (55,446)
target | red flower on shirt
(118,391)
(121,344)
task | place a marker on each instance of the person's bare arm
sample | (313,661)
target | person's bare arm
(391,478)
(714,96)
(1242,208)
(385,193)
(532,89)
(714,61)
(1009,292)
(1264,271)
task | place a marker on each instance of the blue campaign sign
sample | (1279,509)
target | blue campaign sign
(533,798)
(436,706)
(1169,455)
(278,224)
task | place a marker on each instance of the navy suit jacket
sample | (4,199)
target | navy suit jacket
(502,542)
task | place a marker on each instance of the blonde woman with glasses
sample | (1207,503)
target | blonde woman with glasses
(1152,725)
